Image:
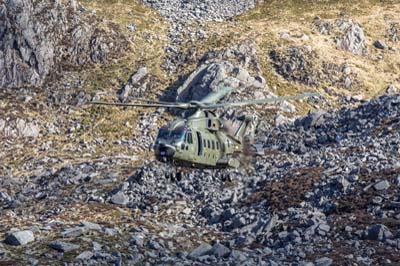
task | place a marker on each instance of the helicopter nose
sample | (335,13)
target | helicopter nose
(165,151)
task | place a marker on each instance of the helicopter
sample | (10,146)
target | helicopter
(200,138)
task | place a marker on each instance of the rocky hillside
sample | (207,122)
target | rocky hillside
(79,184)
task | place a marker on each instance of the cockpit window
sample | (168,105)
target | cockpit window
(163,133)
(175,135)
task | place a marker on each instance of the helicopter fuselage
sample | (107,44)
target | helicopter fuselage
(197,141)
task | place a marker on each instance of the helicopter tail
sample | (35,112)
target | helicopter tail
(249,124)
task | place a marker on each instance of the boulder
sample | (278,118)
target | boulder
(136,85)
(325,261)
(390,90)
(201,250)
(18,238)
(63,246)
(379,44)
(86,255)
(120,198)
(352,39)
(379,232)
(382,185)
(219,251)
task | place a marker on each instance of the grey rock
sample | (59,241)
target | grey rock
(379,44)
(201,250)
(324,27)
(324,227)
(325,261)
(86,255)
(91,226)
(26,130)
(219,250)
(353,39)
(120,199)
(394,32)
(136,85)
(390,90)
(18,238)
(32,261)
(63,246)
(377,200)
(238,256)
(110,231)
(382,185)
(379,232)
(153,244)
(73,232)
(137,240)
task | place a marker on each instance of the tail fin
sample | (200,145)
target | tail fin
(247,121)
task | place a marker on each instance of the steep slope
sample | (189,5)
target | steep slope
(79,184)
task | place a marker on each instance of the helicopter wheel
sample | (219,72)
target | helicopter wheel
(170,173)
(226,177)
(179,176)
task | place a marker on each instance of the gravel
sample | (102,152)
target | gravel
(186,11)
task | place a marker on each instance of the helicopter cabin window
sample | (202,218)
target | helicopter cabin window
(213,145)
(189,138)
(209,144)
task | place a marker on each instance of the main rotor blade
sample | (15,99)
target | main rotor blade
(154,105)
(260,101)
(137,98)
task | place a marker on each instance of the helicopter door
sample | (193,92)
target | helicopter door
(199,143)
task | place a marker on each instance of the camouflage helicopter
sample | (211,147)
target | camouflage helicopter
(201,138)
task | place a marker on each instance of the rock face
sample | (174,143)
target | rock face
(38,37)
